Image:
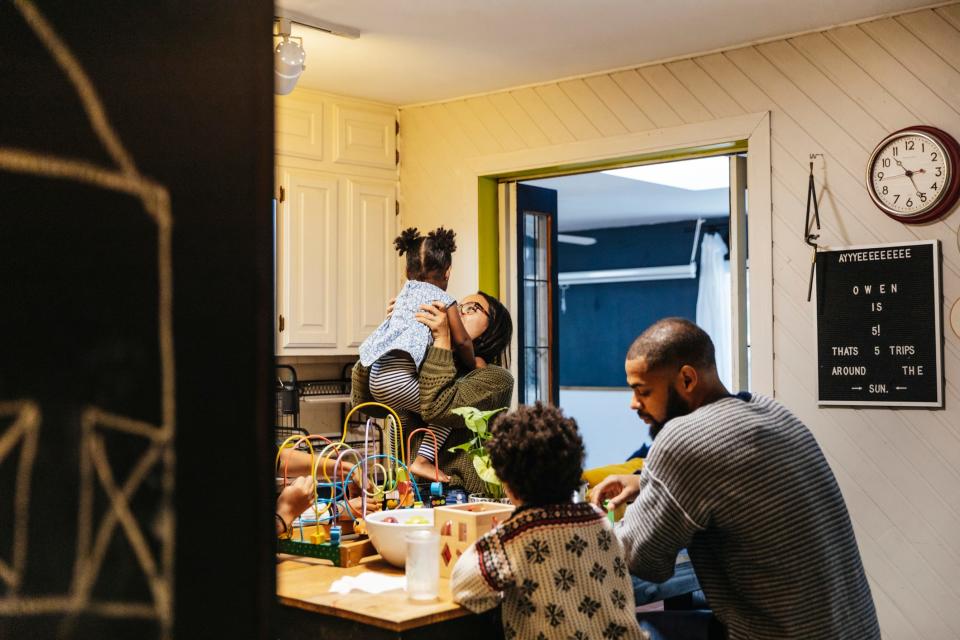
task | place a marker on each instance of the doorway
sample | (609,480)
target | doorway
(602,255)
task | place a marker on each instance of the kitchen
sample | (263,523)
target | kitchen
(811,98)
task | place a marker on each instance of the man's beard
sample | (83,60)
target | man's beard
(676,407)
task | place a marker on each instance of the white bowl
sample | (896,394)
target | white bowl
(388,537)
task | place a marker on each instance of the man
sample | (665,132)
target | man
(742,484)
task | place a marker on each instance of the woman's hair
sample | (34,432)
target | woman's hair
(493,345)
(538,452)
(428,257)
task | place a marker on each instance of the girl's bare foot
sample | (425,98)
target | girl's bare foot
(424,469)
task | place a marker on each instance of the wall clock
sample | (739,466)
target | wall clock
(914,174)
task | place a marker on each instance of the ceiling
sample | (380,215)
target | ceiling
(413,51)
(601,201)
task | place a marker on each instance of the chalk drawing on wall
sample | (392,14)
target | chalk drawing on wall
(23,432)
(97,423)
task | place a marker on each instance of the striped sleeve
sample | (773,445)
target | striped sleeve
(441,390)
(654,529)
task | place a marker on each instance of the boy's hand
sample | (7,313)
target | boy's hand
(295,499)
(616,489)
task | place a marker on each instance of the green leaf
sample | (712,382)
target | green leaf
(466,446)
(485,470)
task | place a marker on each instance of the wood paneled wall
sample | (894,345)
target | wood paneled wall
(837,92)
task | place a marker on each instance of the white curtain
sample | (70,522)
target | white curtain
(713,303)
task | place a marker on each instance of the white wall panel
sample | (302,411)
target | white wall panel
(836,93)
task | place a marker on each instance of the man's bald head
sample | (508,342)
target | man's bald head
(674,342)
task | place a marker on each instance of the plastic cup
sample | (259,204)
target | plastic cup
(423,565)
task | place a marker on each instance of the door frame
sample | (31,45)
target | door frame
(750,132)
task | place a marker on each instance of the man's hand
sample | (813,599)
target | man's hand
(616,489)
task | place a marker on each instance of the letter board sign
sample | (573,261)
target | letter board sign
(879,325)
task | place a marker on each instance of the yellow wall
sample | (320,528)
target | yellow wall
(837,93)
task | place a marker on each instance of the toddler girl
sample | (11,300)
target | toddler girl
(395,350)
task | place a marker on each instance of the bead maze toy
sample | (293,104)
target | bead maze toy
(335,532)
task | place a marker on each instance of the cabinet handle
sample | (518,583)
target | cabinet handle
(281,324)
(283,194)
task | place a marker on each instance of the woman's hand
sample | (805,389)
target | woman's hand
(434,316)
(616,489)
(391,305)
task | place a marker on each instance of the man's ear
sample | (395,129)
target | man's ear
(688,378)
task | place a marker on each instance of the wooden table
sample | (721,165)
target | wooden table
(307,608)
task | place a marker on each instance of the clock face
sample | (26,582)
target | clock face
(910,174)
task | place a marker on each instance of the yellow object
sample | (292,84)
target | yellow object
(319,537)
(595,476)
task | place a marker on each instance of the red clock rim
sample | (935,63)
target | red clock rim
(949,199)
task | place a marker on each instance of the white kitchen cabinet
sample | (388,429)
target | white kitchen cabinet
(308,235)
(370,261)
(336,266)
(336,221)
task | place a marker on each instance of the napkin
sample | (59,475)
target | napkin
(369,582)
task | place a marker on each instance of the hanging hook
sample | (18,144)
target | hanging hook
(809,237)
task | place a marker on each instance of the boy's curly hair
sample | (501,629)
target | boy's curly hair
(538,452)
(428,257)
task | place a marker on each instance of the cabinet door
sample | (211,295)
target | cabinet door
(309,255)
(299,127)
(365,137)
(370,269)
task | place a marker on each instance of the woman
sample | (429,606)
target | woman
(444,388)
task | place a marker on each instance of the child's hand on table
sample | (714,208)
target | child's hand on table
(617,489)
(294,500)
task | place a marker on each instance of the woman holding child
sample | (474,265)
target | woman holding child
(461,349)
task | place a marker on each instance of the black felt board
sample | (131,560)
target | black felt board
(879,325)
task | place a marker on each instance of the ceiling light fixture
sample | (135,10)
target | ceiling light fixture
(289,57)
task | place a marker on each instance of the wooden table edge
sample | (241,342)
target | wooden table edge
(316,607)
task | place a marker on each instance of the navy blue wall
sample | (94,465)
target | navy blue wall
(602,320)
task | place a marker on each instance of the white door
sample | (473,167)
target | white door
(370,263)
(309,259)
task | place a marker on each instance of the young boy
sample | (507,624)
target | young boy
(556,566)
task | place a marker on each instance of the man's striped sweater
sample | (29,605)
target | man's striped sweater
(743,485)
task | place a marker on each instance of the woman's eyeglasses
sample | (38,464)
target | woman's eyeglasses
(473,306)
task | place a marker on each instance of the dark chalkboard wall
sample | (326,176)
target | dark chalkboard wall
(879,329)
(135,296)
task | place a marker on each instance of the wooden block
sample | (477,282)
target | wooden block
(461,525)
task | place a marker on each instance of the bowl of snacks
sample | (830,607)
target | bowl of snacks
(388,528)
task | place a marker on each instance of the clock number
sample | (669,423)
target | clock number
(933,156)
(896,197)
(909,202)
(884,190)
(909,145)
(934,186)
(894,151)
(879,175)
(886,162)
(939,172)
(922,196)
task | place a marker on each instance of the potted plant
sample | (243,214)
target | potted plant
(478,422)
